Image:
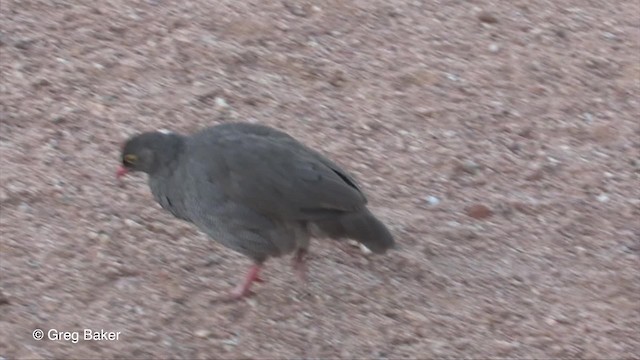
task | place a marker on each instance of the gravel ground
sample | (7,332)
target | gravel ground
(498,139)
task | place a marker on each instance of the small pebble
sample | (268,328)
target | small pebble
(536,174)
(487,17)
(131,223)
(479,211)
(202,333)
(603,198)
(588,117)
(453,77)
(24,44)
(57,119)
(470,166)
(553,160)
(3,301)
(221,102)
(494,48)
(505,346)
(104,238)
(230,342)
(4,196)
(432,200)
(580,250)
(24,207)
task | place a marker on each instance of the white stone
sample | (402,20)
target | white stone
(432,200)
(202,333)
(221,102)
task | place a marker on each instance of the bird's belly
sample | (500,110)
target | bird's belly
(252,234)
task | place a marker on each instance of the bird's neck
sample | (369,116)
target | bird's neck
(167,155)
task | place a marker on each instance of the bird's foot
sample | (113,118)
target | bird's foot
(244,289)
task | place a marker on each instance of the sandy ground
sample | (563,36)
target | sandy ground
(499,140)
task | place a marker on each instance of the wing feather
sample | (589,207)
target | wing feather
(276,175)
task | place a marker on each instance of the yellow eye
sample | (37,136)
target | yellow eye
(130,159)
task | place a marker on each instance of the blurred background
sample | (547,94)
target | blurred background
(499,140)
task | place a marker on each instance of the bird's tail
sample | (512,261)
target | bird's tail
(361,226)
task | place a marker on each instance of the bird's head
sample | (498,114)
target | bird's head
(149,152)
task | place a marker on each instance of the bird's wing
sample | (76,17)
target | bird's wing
(280,177)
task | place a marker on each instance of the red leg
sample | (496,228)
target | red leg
(300,265)
(243,289)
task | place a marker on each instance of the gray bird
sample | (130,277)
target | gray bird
(254,189)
